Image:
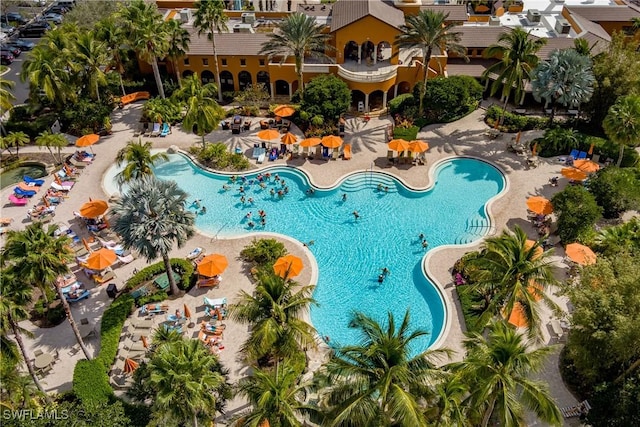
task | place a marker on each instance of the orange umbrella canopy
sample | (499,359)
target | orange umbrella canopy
(398,145)
(310,142)
(187,312)
(517,317)
(586,165)
(418,146)
(580,254)
(539,205)
(268,134)
(537,251)
(289,138)
(130,365)
(94,208)
(101,259)
(87,140)
(288,266)
(332,141)
(212,265)
(284,110)
(574,174)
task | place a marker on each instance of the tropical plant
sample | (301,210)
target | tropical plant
(91,57)
(449,410)
(298,35)
(178,44)
(620,238)
(326,96)
(113,36)
(558,140)
(577,213)
(274,311)
(378,381)
(497,369)
(203,113)
(139,161)
(38,257)
(622,123)
(46,72)
(6,96)
(616,190)
(52,140)
(565,78)
(17,390)
(15,139)
(210,18)
(429,31)
(264,252)
(582,47)
(160,110)
(512,272)
(151,217)
(517,57)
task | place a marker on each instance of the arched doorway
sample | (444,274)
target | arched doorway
(244,79)
(356,98)
(187,73)
(263,78)
(282,87)
(384,51)
(207,77)
(367,51)
(376,100)
(226,81)
(404,87)
(351,51)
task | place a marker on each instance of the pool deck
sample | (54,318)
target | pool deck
(465,137)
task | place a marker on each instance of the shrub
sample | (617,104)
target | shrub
(86,115)
(327,96)
(577,213)
(91,383)
(111,328)
(513,122)
(450,98)
(155,297)
(398,104)
(179,265)
(469,302)
(22,121)
(557,141)
(409,133)
(263,251)
(616,190)
(159,109)
(218,157)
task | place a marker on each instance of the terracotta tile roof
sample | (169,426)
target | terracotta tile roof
(473,68)
(475,36)
(592,27)
(457,12)
(605,13)
(346,12)
(227,44)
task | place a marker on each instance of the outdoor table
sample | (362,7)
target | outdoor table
(162,281)
(43,360)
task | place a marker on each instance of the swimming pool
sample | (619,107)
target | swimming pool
(350,252)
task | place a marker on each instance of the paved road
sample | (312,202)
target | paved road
(20,90)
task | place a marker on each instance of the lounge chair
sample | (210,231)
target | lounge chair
(335,154)
(142,323)
(62,187)
(101,279)
(84,294)
(166,129)
(22,193)
(581,408)
(347,152)
(574,153)
(208,282)
(140,292)
(156,129)
(195,253)
(29,180)
(18,201)
(582,155)
(126,259)
(215,302)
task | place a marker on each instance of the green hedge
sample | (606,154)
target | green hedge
(398,104)
(513,122)
(111,328)
(179,265)
(409,134)
(91,383)
(450,98)
(467,301)
(156,297)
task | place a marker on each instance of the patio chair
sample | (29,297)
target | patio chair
(38,352)
(574,153)
(582,155)
(596,158)
(347,152)
(101,279)
(156,129)
(166,129)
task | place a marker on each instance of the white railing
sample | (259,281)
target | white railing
(317,68)
(369,76)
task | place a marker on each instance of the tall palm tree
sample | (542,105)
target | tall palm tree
(139,161)
(203,114)
(429,31)
(52,140)
(114,37)
(91,57)
(298,35)
(16,139)
(37,256)
(582,47)
(6,96)
(275,395)
(187,380)
(377,381)
(517,274)
(497,368)
(565,78)
(147,35)
(15,298)
(274,311)
(517,57)
(46,72)
(178,44)
(449,410)
(622,123)
(211,19)
(151,217)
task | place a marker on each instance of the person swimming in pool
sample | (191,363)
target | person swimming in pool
(356,215)
(203,210)
(344,197)
(272,192)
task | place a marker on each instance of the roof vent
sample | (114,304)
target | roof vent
(248,18)
(494,21)
(533,15)
(243,28)
(185,15)
(562,26)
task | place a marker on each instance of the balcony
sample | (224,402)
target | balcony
(367,73)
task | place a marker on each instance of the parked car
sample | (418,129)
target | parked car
(33,3)
(14,17)
(6,28)
(56,18)
(6,57)
(35,29)
(21,44)
(15,51)
(57,8)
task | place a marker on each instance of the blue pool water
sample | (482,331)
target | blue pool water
(350,252)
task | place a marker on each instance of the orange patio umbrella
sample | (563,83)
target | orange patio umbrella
(537,251)
(145,342)
(187,312)
(130,365)
(212,265)
(535,290)
(310,142)
(289,138)
(517,317)
(284,110)
(580,254)
(87,140)
(398,145)
(288,266)
(539,205)
(94,208)
(586,165)
(332,141)
(268,134)
(574,174)
(418,146)
(101,259)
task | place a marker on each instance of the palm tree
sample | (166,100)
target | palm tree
(147,34)
(5,95)
(39,257)
(14,301)
(450,394)
(178,45)
(203,114)
(91,57)
(46,72)
(52,140)
(274,311)
(139,161)
(566,78)
(622,123)
(151,217)
(299,36)
(187,381)
(210,18)
(377,382)
(16,139)
(516,274)
(113,36)
(497,369)
(276,396)
(517,57)
(582,47)
(429,31)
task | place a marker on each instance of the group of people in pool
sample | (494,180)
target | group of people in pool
(197,204)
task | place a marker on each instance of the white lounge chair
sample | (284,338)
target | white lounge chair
(195,253)
(156,129)
(126,259)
